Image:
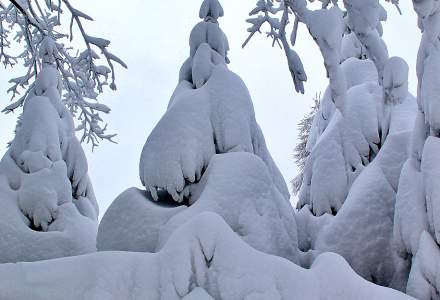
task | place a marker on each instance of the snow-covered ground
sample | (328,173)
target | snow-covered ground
(202,254)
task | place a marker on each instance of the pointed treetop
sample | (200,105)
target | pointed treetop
(211,10)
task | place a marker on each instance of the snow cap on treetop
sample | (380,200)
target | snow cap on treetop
(211,10)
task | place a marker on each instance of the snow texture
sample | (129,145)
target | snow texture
(203,257)
(48,205)
(237,186)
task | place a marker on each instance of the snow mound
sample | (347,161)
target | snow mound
(49,208)
(237,186)
(203,257)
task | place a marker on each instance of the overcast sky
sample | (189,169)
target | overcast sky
(152,38)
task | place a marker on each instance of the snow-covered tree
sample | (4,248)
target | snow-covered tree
(301,152)
(339,35)
(209,153)
(28,26)
(416,229)
(358,140)
(215,210)
(49,208)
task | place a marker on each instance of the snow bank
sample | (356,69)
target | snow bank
(203,257)
(237,186)
(48,205)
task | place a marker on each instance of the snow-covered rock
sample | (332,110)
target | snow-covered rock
(48,205)
(203,257)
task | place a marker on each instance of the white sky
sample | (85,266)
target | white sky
(152,38)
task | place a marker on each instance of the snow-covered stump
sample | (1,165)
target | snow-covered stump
(236,186)
(49,208)
(202,257)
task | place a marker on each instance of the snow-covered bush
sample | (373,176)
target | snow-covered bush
(26,27)
(202,257)
(48,205)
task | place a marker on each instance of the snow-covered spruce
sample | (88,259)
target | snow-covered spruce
(48,205)
(417,223)
(210,112)
(201,258)
(209,153)
(362,230)
(341,145)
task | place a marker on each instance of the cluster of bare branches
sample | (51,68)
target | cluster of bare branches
(31,28)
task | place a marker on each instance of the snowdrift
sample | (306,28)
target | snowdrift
(202,257)
(237,186)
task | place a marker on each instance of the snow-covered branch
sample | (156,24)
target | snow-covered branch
(37,27)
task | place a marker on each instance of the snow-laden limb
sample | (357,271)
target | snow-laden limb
(352,47)
(31,35)
(49,208)
(342,145)
(210,113)
(417,224)
(363,18)
(366,244)
(424,272)
(202,257)
(326,28)
(237,186)
(362,230)
(395,79)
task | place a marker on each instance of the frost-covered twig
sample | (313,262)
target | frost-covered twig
(36,26)
(267,14)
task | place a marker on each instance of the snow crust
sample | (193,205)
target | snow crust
(203,257)
(48,206)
